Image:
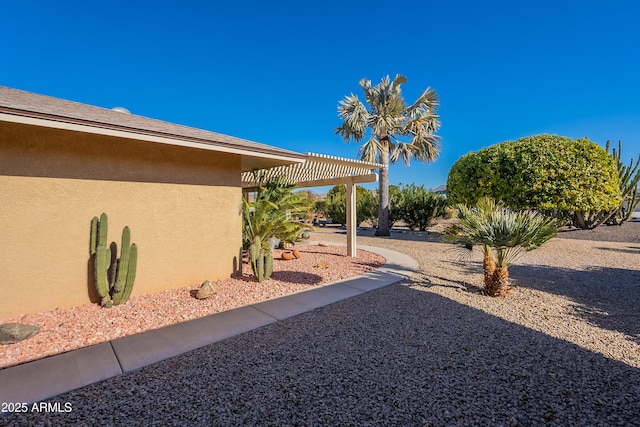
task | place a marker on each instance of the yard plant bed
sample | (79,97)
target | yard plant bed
(68,329)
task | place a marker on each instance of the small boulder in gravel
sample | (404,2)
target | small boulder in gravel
(11,333)
(206,290)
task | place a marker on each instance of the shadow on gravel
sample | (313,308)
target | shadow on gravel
(627,250)
(396,234)
(296,277)
(398,356)
(605,296)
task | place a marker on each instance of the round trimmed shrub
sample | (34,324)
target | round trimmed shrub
(542,172)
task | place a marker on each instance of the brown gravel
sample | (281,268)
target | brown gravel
(63,330)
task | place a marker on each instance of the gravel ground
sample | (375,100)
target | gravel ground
(563,349)
(627,232)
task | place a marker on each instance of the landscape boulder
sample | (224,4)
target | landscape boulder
(11,333)
(206,290)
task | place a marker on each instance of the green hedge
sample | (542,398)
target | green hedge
(543,172)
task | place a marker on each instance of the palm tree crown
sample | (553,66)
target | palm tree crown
(395,130)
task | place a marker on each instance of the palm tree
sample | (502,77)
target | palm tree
(395,131)
(504,235)
(474,222)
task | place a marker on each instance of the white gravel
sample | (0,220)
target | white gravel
(563,349)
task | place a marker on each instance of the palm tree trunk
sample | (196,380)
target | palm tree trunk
(383,192)
(488,266)
(499,284)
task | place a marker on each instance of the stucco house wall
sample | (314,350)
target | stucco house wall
(182,205)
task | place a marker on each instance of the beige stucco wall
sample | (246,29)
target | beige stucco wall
(182,205)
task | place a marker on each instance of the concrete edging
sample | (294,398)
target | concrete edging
(51,376)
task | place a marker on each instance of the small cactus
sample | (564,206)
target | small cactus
(261,263)
(114,276)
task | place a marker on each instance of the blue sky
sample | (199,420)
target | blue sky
(273,72)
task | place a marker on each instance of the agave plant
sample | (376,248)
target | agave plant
(504,236)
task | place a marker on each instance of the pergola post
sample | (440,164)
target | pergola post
(351,219)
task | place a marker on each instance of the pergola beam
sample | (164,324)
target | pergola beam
(359,179)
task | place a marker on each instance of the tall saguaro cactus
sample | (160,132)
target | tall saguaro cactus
(629,179)
(114,276)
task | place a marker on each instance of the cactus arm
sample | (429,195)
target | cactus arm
(102,260)
(123,296)
(94,236)
(103,226)
(255,253)
(123,263)
(268,266)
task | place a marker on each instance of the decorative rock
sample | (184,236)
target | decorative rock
(206,290)
(323,264)
(11,333)
(306,235)
(296,253)
(288,255)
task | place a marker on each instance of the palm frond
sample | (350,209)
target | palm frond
(273,214)
(370,150)
(508,233)
(355,119)
(403,151)
(427,103)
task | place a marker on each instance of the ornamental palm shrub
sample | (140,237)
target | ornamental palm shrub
(472,229)
(504,235)
(572,177)
(273,213)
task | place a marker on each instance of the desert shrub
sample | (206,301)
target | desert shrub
(572,177)
(395,204)
(418,207)
(366,205)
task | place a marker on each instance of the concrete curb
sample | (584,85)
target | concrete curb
(46,378)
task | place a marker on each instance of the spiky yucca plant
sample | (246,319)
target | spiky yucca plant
(504,235)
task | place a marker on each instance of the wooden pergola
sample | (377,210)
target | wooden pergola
(319,170)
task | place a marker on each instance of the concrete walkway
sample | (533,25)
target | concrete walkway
(45,378)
